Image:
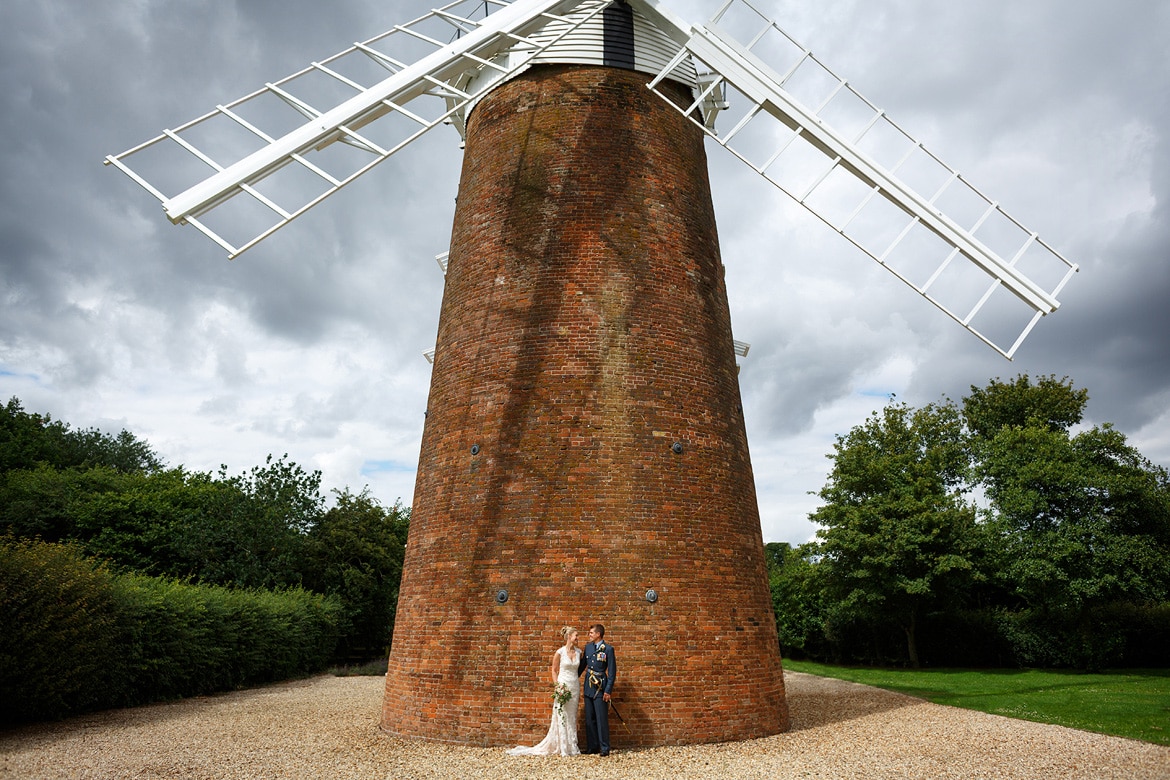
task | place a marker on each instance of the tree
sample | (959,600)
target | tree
(172,522)
(897,537)
(249,530)
(265,528)
(1081,522)
(355,552)
(42,501)
(27,440)
(1049,403)
(796,597)
(1067,559)
(137,522)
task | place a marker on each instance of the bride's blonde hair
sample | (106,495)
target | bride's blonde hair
(566,630)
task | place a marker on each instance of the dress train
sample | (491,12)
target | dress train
(561,739)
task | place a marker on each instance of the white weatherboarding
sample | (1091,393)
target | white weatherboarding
(247,168)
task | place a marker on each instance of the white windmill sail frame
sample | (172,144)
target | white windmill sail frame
(501,31)
(495,40)
(732,62)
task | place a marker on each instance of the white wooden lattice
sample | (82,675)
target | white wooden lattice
(811,134)
(245,169)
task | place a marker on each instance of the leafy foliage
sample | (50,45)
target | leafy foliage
(356,552)
(1083,521)
(249,530)
(797,598)
(1048,403)
(27,440)
(58,647)
(198,639)
(169,582)
(898,538)
(1073,528)
(245,531)
(79,637)
(269,527)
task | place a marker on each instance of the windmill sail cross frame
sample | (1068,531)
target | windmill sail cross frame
(399,88)
(504,43)
(713,48)
(502,31)
(733,62)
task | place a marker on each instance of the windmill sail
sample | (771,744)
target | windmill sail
(811,134)
(246,169)
(277,152)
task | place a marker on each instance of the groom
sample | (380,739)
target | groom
(600,668)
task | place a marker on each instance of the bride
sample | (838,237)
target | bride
(562,732)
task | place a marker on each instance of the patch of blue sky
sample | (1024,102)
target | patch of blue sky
(371,467)
(7,372)
(872,392)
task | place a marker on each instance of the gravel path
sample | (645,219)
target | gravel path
(327,727)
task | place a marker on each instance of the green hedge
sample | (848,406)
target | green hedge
(1109,636)
(75,637)
(1145,630)
(59,632)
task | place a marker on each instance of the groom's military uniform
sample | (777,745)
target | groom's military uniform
(600,667)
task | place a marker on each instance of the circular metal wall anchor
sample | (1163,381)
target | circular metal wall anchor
(474,449)
(652,595)
(501,596)
(676,448)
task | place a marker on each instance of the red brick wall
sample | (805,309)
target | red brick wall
(584,331)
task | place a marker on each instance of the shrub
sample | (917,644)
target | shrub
(77,637)
(1143,631)
(1057,640)
(59,642)
(197,639)
(969,638)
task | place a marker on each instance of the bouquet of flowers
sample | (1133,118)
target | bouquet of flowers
(561,696)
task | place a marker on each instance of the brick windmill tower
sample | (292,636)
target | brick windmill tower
(584,456)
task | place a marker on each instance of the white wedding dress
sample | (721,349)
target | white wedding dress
(561,739)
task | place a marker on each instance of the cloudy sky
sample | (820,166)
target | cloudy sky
(311,342)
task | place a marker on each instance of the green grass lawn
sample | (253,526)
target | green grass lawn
(1131,703)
